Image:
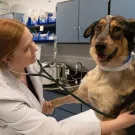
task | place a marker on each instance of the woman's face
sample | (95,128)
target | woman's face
(24,54)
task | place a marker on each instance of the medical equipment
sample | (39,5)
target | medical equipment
(53,70)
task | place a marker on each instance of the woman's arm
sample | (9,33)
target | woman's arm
(25,120)
(124,120)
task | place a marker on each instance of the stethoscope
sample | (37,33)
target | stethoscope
(48,76)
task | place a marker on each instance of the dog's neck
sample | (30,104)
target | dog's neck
(124,66)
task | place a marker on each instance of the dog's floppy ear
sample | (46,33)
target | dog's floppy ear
(90,30)
(132,25)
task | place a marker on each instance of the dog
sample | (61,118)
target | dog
(109,85)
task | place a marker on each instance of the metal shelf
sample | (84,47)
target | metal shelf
(45,26)
(44,41)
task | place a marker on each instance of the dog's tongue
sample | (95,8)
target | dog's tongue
(102,57)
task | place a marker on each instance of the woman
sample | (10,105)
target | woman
(21,96)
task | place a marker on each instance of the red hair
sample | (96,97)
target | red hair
(11,32)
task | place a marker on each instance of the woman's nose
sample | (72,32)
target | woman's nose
(35,47)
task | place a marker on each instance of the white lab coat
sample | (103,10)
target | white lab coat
(20,111)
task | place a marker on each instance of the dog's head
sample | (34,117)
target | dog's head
(112,40)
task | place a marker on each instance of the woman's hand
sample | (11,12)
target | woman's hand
(124,120)
(47,107)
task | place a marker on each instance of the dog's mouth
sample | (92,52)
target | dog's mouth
(102,57)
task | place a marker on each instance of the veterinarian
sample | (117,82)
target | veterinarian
(21,97)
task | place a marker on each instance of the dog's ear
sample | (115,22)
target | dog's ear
(132,24)
(90,30)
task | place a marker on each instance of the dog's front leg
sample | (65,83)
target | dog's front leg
(82,93)
(69,99)
(65,100)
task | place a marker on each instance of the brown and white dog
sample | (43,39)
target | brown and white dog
(110,83)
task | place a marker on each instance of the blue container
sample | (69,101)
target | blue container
(51,18)
(35,36)
(43,36)
(31,23)
(42,22)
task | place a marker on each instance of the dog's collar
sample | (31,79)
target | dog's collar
(122,67)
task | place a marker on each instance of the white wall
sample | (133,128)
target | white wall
(22,6)
(3,12)
(4,7)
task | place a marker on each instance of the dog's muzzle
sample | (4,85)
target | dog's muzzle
(100,49)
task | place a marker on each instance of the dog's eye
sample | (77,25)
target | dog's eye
(116,29)
(99,28)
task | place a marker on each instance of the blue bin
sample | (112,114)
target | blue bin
(31,23)
(42,22)
(51,18)
(43,36)
(35,36)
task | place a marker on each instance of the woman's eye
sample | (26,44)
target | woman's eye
(116,29)
(26,49)
(99,28)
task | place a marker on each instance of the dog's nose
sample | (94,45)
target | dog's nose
(100,47)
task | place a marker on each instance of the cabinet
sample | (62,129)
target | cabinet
(73,17)
(67,22)
(61,114)
(13,15)
(90,11)
(123,7)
